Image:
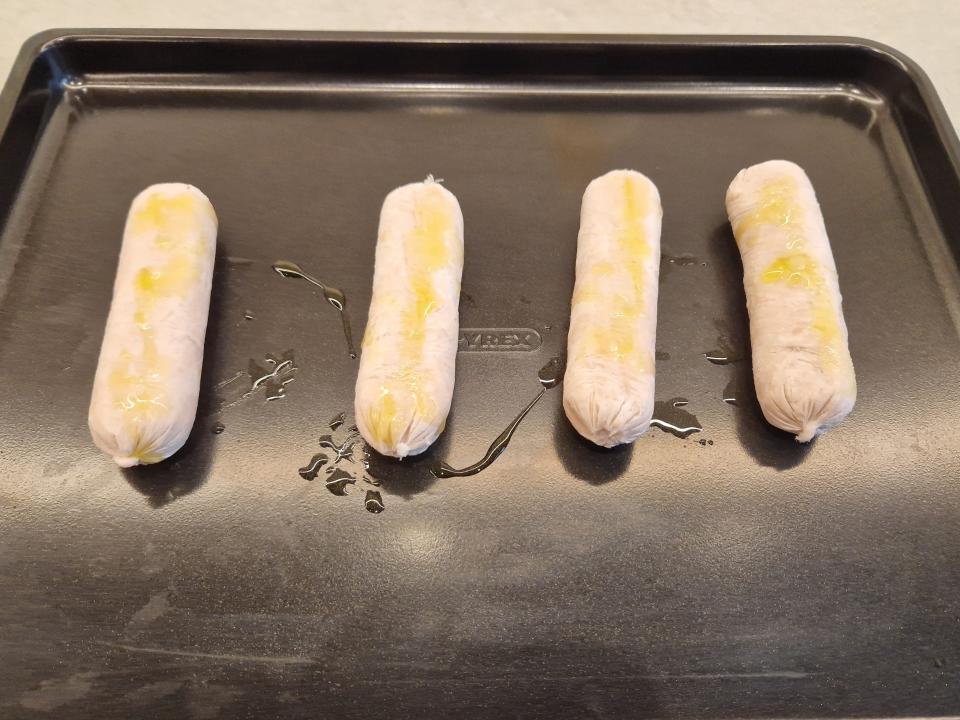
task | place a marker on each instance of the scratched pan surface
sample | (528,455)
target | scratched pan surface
(745,576)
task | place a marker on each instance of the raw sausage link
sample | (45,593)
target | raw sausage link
(145,393)
(802,369)
(406,376)
(609,382)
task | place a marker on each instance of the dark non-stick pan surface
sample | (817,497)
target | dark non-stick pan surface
(731,573)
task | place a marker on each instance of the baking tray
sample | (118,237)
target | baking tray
(741,576)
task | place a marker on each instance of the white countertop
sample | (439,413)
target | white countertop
(926,30)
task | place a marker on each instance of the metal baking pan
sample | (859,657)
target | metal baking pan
(731,573)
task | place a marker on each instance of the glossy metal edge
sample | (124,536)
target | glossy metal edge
(31,49)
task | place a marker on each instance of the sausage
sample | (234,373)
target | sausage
(407,366)
(802,370)
(609,382)
(147,383)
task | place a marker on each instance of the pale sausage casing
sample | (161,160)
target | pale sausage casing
(146,388)
(407,365)
(802,368)
(608,388)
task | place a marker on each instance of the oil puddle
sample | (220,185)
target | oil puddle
(670,416)
(550,375)
(332,295)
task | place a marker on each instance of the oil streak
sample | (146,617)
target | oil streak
(493,452)
(335,297)
(550,375)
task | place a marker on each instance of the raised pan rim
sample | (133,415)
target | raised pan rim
(38,44)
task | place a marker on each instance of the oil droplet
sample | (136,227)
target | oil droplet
(288,269)
(312,468)
(367,479)
(548,328)
(550,375)
(373,502)
(668,262)
(218,428)
(337,481)
(673,419)
(334,296)
(725,354)
(680,402)
(248,314)
(337,421)
(684,260)
(730,393)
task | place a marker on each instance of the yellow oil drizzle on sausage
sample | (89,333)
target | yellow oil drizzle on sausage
(173,224)
(427,249)
(616,337)
(780,208)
